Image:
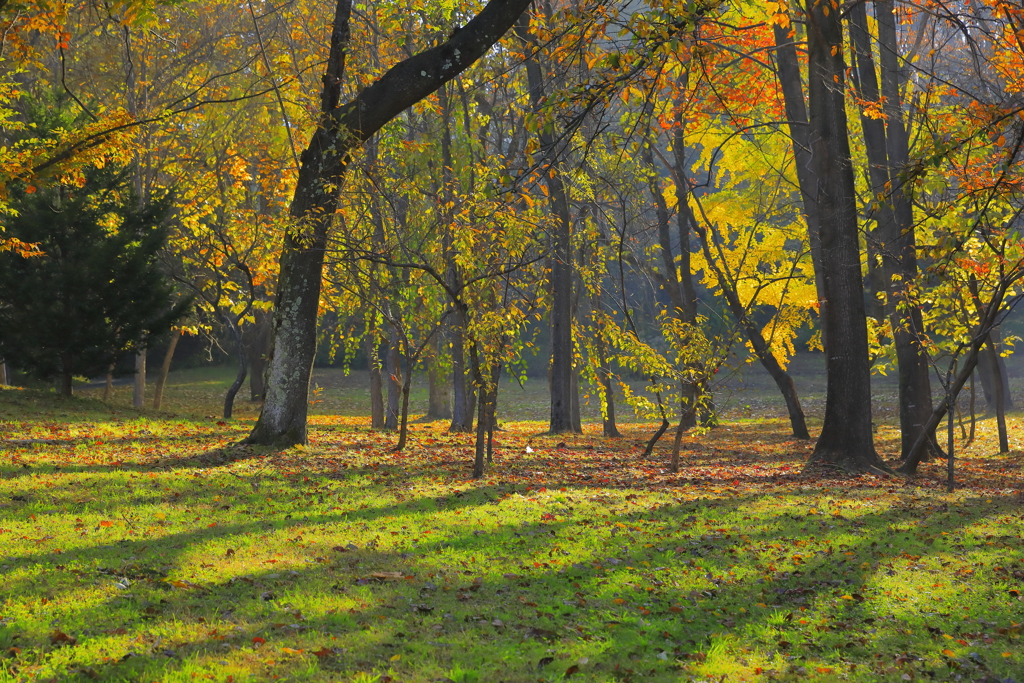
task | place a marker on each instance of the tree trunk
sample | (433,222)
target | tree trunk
(258,353)
(846,436)
(439,401)
(677,278)
(893,239)
(108,388)
(997,389)
(139,386)
(3,374)
(403,429)
(393,381)
(994,374)
(321,174)
(987,317)
(165,368)
(761,348)
(462,404)
(66,384)
(376,380)
(604,374)
(792,87)
(561,262)
(243,367)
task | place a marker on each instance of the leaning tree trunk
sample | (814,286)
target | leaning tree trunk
(761,349)
(317,192)
(165,369)
(846,437)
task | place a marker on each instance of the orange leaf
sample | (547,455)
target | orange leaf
(106,523)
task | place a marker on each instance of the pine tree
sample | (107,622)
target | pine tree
(96,293)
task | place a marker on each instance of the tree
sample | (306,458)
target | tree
(97,292)
(846,436)
(324,163)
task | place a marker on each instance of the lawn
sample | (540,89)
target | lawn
(147,547)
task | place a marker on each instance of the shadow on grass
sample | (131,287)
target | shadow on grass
(517,614)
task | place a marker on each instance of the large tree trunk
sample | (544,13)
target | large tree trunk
(792,87)
(139,386)
(3,374)
(893,239)
(561,262)
(846,436)
(165,368)
(323,166)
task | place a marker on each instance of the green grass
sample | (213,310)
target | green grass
(145,547)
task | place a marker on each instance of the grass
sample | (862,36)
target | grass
(146,547)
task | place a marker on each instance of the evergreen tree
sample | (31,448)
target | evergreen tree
(96,293)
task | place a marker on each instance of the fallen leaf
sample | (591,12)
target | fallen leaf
(61,638)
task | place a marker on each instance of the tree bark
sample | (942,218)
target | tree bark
(462,404)
(376,380)
(165,368)
(393,381)
(846,436)
(345,127)
(108,388)
(439,399)
(791,84)
(893,238)
(997,389)
(561,262)
(604,373)
(258,351)
(139,386)
(3,374)
(243,367)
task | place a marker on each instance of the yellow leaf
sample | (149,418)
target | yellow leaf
(395,658)
(847,597)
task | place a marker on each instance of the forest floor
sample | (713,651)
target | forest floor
(145,546)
